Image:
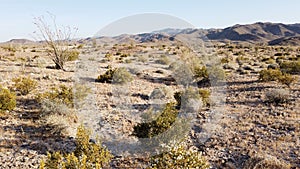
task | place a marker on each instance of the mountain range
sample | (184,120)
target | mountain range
(266,33)
(262,33)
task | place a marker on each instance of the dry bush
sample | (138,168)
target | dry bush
(24,85)
(265,163)
(277,96)
(57,39)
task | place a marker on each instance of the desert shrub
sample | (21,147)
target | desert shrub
(269,75)
(201,72)
(61,95)
(205,96)
(225,60)
(65,95)
(24,85)
(213,73)
(107,77)
(265,163)
(143,58)
(162,123)
(216,73)
(164,60)
(286,79)
(277,96)
(291,67)
(72,55)
(188,100)
(9,48)
(118,75)
(87,155)
(121,76)
(50,107)
(178,156)
(7,99)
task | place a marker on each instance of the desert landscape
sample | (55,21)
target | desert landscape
(244,95)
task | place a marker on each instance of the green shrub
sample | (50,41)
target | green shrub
(267,75)
(291,67)
(7,99)
(118,75)
(24,85)
(179,156)
(162,123)
(87,155)
(201,72)
(107,77)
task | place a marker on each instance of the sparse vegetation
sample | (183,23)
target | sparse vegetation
(277,96)
(267,75)
(163,122)
(291,67)
(87,155)
(117,75)
(7,99)
(57,39)
(24,85)
(179,156)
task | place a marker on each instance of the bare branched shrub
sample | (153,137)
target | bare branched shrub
(57,39)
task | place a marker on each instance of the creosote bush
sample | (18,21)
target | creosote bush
(183,97)
(212,73)
(7,100)
(267,75)
(24,85)
(179,156)
(117,75)
(162,123)
(87,155)
(291,67)
(65,95)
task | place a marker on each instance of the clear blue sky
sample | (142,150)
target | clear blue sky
(91,15)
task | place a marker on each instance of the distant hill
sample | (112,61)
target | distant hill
(286,41)
(269,33)
(20,41)
(257,32)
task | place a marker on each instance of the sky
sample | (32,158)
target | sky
(91,16)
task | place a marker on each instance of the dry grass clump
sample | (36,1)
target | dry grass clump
(265,163)
(277,96)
